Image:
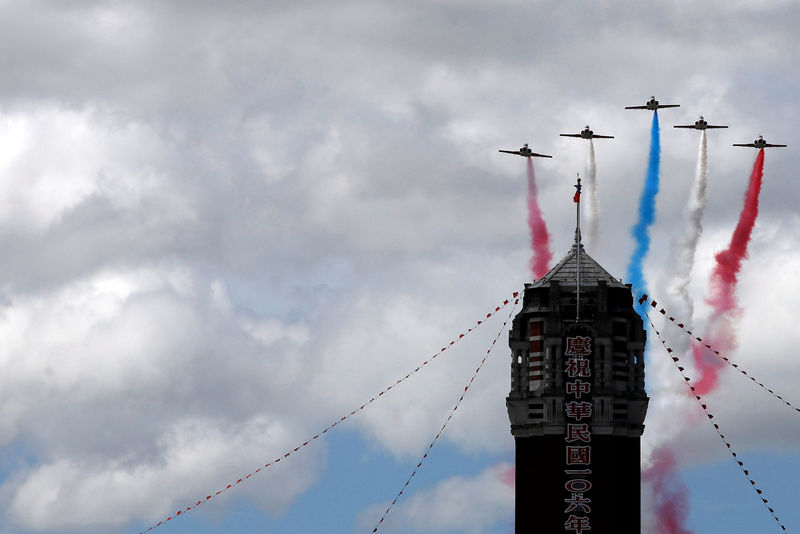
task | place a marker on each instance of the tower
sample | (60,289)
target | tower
(577,402)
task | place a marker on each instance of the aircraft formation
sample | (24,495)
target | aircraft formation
(653,105)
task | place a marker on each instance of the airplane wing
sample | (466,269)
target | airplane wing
(511,152)
(571,135)
(686,126)
(773,146)
(669,106)
(636,107)
(751,145)
(546,156)
(712,126)
(603,136)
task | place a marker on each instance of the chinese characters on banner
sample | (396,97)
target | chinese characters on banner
(578,436)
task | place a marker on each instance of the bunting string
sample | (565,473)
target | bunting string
(345,417)
(653,304)
(449,417)
(688,381)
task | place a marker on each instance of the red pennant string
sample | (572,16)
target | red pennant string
(710,416)
(726,360)
(341,419)
(449,417)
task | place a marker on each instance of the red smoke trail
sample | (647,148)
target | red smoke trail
(540,239)
(508,476)
(723,286)
(669,492)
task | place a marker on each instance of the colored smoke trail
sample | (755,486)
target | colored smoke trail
(647,211)
(508,476)
(724,278)
(593,214)
(540,239)
(670,494)
(685,254)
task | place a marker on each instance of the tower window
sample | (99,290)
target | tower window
(619,329)
(619,346)
(535,328)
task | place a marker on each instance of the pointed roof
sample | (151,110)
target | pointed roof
(565,272)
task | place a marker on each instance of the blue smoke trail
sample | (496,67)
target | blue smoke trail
(647,211)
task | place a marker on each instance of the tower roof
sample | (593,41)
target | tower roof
(565,272)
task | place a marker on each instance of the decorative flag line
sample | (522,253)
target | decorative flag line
(710,416)
(663,312)
(450,416)
(340,420)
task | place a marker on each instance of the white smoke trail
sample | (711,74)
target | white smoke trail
(693,228)
(593,213)
(665,485)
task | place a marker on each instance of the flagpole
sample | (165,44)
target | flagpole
(578,250)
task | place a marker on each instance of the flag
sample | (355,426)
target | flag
(577,197)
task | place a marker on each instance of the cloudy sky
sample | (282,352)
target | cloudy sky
(225,227)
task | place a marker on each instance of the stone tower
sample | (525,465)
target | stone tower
(577,402)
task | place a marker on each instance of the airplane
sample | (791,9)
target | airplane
(654,105)
(759,143)
(526,152)
(586,133)
(699,124)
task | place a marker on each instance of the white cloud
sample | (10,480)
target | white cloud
(750,416)
(269,213)
(71,494)
(58,158)
(461,504)
(124,403)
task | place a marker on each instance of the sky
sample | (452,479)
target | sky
(225,226)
